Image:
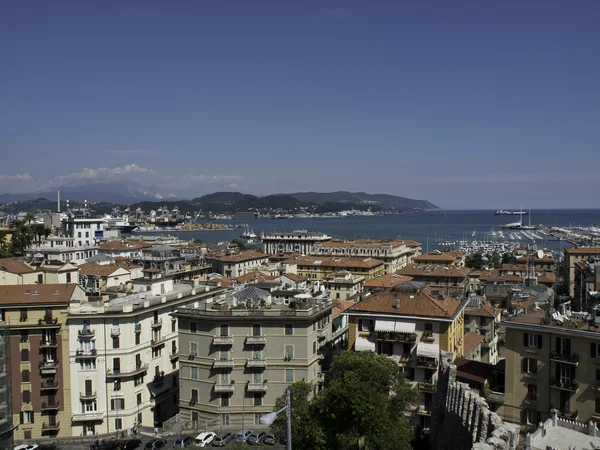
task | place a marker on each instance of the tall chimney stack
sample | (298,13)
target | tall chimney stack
(58,201)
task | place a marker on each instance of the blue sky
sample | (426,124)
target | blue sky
(468,104)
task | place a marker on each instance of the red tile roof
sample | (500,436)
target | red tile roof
(25,294)
(15,265)
(472,340)
(335,262)
(434,271)
(388,280)
(99,270)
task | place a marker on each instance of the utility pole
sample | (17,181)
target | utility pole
(288,415)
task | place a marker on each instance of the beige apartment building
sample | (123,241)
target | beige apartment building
(317,268)
(239,353)
(573,255)
(551,362)
(484,319)
(233,265)
(15,271)
(452,280)
(39,347)
(410,324)
(343,285)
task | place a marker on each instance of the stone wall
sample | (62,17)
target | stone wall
(461,418)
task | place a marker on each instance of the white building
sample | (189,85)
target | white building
(124,356)
(301,241)
(60,248)
(237,264)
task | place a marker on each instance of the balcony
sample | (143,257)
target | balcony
(256,363)
(404,358)
(565,358)
(401,338)
(49,343)
(322,333)
(86,334)
(495,397)
(423,411)
(138,328)
(256,340)
(565,385)
(488,341)
(122,373)
(227,388)
(115,331)
(427,336)
(158,341)
(50,385)
(51,406)
(86,416)
(48,321)
(156,324)
(223,340)
(223,363)
(88,395)
(48,367)
(174,354)
(257,387)
(320,377)
(426,363)
(89,353)
(51,426)
(426,386)
(568,414)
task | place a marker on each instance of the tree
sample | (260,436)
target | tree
(495,260)
(474,261)
(22,237)
(508,258)
(241,245)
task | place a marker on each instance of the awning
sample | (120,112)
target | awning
(405,327)
(385,325)
(428,350)
(364,345)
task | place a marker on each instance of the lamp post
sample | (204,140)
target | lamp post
(269,418)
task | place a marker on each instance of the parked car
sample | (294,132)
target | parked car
(182,441)
(26,447)
(256,438)
(270,439)
(222,439)
(155,444)
(47,447)
(130,444)
(204,439)
(242,436)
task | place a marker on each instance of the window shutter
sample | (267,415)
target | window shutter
(112,404)
(525,339)
(568,346)
(524,365)
(539,342)
(557,349)
(21,416)
(593,349)
(32,416)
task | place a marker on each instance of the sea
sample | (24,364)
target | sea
(430,228)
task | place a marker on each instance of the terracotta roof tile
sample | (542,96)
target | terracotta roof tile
(340,307)
(15,265)
(296,278)
(36,293)
(388,280)
(237,257)
(123,245)
(434,271)
(336,262)
(251,277)
(583,250)
(472,340)
(99,270)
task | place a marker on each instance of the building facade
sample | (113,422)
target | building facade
(237,264)
(343,285)
(483,318)
(301,241)
(573,255)
(316,268)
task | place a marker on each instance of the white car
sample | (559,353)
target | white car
(204,439)
(26,447)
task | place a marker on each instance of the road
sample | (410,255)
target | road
(170,441)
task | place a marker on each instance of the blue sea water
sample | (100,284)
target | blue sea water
(426,227)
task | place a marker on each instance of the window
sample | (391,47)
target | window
(257,352)
(115,342)
(194,373)
(23,316)
(532,340)
(531,391)
(90,406)
(256,330)
(139,398)
(137,338)
(563,346)
(117,385)
(289,375)
(87,364)
(68,277)
(314,347)
(193,349)
(385,348)
(24,336)
(224,378)
(224,330)
(257,399)
(223,353)
(173,325)
(532,417)
(289,329)
(224,400)
(118,424)
(24,355)
(595,350)
(224,419)
(117,404)
(365,325)
(193,327)
(138,379)
(529,365)
(25,376)
(289,352)
(40,278)
(257,378)
(27,416)
(194,396)
(26,396)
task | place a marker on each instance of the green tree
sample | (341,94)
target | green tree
(241,245)
(495,260)
(364,402)
(474,261)
(22,237)
(508,258)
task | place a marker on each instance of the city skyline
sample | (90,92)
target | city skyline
(464,105)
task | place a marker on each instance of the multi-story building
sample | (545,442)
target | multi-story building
(453,280)
(233,265)
(123,248)
(385,282)
(316,268)
(343,284)
(572,255)
(240,352)
(552,362)
(124,356)
(175,262)
(483,318)
(301,241)
(452,258)
(6,422)
(395,254)
(86,231)
(586,280)
(410,324)
(61,249)
(39,349)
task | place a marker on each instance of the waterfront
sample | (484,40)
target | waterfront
(430,228)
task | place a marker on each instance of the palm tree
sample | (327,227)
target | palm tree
(29,217)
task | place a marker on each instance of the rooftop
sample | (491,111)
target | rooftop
(434,271)
(473,370)
(24,294)
(341,306)
(552,321)
(15,265)
(254,277)
(237,257)
(123,245)
(363,243)
(336,262)
(94,269)
(388,280)
(582,250)
(472,340)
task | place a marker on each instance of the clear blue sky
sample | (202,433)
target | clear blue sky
(464,103)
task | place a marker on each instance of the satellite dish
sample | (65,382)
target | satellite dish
(540,254)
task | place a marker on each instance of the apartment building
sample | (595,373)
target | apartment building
(123,248)
(552,362)
(453,280)
(395,254)
(573,255)
(124,356)
(39,349)
(60,248)
(483,319)
(15,271)
(385,282)
(239,353)
(316,268)
(233,265)
(410,324)
(448,259)
(301,241)
(6,422)
(343,284)
(586,280)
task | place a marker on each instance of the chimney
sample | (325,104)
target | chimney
(58,200)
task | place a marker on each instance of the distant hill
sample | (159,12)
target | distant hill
(223,197)
(383,200)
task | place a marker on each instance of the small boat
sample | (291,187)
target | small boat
(248,234)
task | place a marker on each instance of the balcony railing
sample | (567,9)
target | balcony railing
(223,363)
(156,324)
(322,333)
(50,343)
(88,395)
(565,357)
(88,353)
(256,340)
(138,327)
(426,363)
(50,406)
(403,338)
(426,386)
(86,334)
(51,426)
(48,321)
(48,366)
(568,414)
(158,341)
(427,336)
(50,385)
(115,331)
(86,416)
(495,397)
(257,387)
(256,363)
(567,385)
(223,340)
(121,373)
(224,387)
(174,354)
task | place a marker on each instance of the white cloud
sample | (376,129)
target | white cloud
(17,177)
